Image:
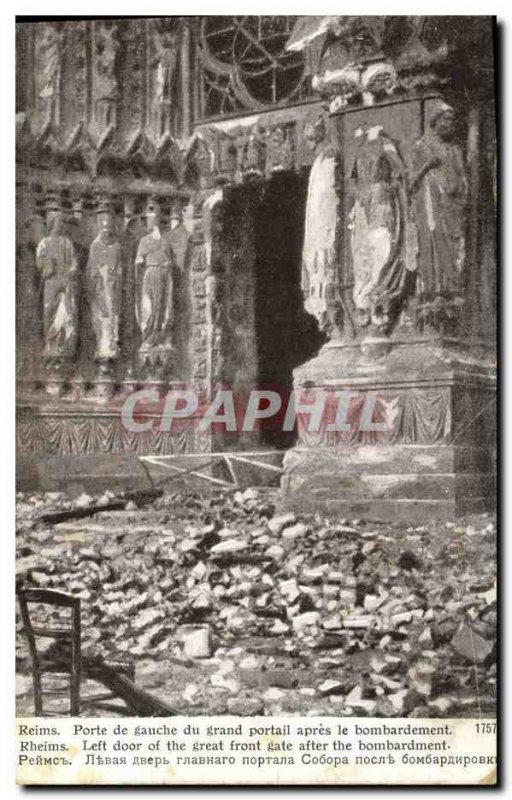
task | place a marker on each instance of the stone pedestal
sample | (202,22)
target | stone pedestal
(432,451)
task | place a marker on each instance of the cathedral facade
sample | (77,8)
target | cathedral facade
(255,202)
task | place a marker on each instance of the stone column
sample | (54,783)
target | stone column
(186,91)
(407,428)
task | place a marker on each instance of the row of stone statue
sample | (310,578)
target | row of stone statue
(404,221)
(395,209)
(159,258)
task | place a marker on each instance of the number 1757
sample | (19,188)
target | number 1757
(485,727)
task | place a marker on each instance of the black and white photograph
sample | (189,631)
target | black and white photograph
(256,331)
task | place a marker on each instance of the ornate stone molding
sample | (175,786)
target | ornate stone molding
(44,433)
(226,153)
(104,113)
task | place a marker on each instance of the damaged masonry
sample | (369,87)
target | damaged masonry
(226,606)
(256,367)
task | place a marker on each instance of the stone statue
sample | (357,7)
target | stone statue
(105,83)
(378,224)
(104,274)
(28,312)
(439,189)
(57,264)
(339,87)
(378,81)
(165,49)
(279,150)
(48,53)
(154,269)
(255,152)
(319,265)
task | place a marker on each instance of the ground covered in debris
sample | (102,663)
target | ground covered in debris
(228,605)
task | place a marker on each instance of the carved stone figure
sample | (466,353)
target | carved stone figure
(199,161)
(227,156)
(165,49)
(255,152)
(378,81)
(104,284)
(377,222)
(28,312)
(129,338)
(439,188)
(340,87)
(279,150)
(48,52)
(105,83)
(57,264)
(319,267)
(154,269)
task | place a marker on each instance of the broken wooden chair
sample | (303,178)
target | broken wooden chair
(65,657)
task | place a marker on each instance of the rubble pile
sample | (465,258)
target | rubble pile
(229,605)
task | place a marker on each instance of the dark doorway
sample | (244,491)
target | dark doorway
(286,335)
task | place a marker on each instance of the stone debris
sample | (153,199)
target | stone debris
(273,694)
(84,501)
(468,644)
(240,608)
(190,692)
(330,687)
(196,643)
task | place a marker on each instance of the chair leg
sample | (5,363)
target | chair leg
(38,695)
(75,695)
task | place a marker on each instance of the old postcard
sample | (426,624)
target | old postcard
(255,427)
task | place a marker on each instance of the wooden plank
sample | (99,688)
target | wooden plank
(193,471)
(232,472)
(139,700)
(261,464)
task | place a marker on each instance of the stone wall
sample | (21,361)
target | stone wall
(110,124)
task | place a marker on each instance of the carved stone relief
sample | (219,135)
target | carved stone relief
(154,265)
(378,221)
(47,76)
(104,278)
(56,261)
(440,191)
(280,148)
(402,216)
(320,271)
(164,36)
(105,87)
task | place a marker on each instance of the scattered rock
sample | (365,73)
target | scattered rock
(409,560)
(355,607)
(272,695)
(330,687)
(230,546)
(295,531)
(276,524)
(190,692)
(83,501)
(197,643)
(332,623)
(304,620)
(468,644)
(245,706)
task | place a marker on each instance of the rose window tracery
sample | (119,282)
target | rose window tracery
(245,64)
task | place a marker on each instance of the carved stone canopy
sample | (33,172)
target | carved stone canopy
(354,59)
